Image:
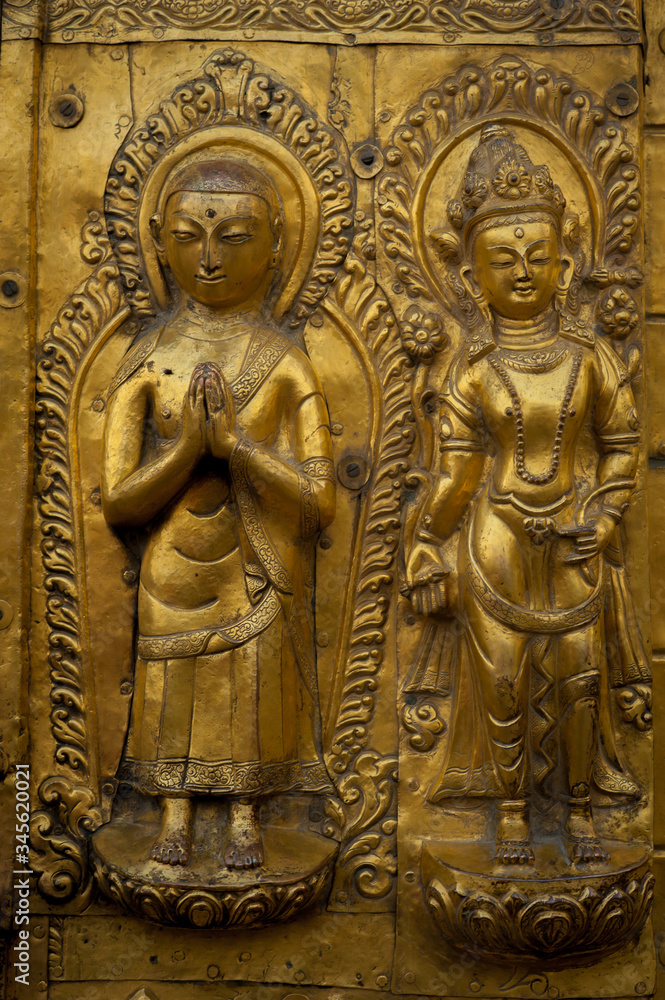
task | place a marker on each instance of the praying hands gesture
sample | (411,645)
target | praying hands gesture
(209,407)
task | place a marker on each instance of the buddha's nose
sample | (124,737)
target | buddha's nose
(210,260)
(523,272)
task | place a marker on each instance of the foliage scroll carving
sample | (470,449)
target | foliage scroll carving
(538,20)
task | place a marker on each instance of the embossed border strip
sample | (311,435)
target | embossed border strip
(541,22)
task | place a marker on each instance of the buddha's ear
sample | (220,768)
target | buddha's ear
(156,232)
(277,231)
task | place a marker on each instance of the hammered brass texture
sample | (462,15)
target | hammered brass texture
(333,563)
(18,74)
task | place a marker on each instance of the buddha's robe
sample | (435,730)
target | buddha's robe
(225,693)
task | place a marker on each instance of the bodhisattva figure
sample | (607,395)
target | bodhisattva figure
(531,716)
(217,446)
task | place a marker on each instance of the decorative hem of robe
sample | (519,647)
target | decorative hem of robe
(224,777)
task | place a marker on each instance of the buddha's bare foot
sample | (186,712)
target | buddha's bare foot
(243,843)
(584,844)
(513,838)
(514,852)
(173,845)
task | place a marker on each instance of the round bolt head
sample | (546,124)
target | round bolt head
(367,161)
(66,109)
(353,471)
(6,614)
(13,288)
(622,100)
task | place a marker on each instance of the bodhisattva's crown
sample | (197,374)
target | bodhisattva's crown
(500,178)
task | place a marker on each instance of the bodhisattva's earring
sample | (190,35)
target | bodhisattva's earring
(476,294)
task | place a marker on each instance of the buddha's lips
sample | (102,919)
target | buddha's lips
(212,279)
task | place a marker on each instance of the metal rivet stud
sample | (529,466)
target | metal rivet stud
(366,161)
(66,109)
(622,100)
(6,614)
(12,289)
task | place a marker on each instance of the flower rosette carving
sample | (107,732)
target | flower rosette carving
(352,10)
(422,335)
(512,181)
(618,313)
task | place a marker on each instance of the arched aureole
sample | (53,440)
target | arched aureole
(527,99)
(237,108)
(303,161)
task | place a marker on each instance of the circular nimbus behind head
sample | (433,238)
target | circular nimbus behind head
(229,159)
(234,160)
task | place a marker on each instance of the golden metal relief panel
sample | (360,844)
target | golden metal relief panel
(340,669)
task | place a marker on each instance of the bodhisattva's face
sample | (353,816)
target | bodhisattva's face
(218,246)
(518,267)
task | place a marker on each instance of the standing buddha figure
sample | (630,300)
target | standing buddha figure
(531,716)
(217,449)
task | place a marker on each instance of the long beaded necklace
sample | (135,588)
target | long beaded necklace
(516,411)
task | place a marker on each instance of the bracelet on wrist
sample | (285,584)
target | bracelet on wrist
(614,512)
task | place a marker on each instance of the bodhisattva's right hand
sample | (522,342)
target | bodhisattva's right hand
(424,579)
(193,434)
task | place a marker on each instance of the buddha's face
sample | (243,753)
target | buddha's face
(219,247)
(518,267)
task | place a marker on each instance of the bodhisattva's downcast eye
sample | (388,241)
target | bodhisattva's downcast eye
(182,236)
(236,237)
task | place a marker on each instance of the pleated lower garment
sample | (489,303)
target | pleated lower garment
(229,723)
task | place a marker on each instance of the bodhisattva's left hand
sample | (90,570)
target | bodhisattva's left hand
(592,542)
(425,575)
(221,414)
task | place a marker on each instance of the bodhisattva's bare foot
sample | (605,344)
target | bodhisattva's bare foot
(513,837)
(243,843)
(173,845)
(584,844)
